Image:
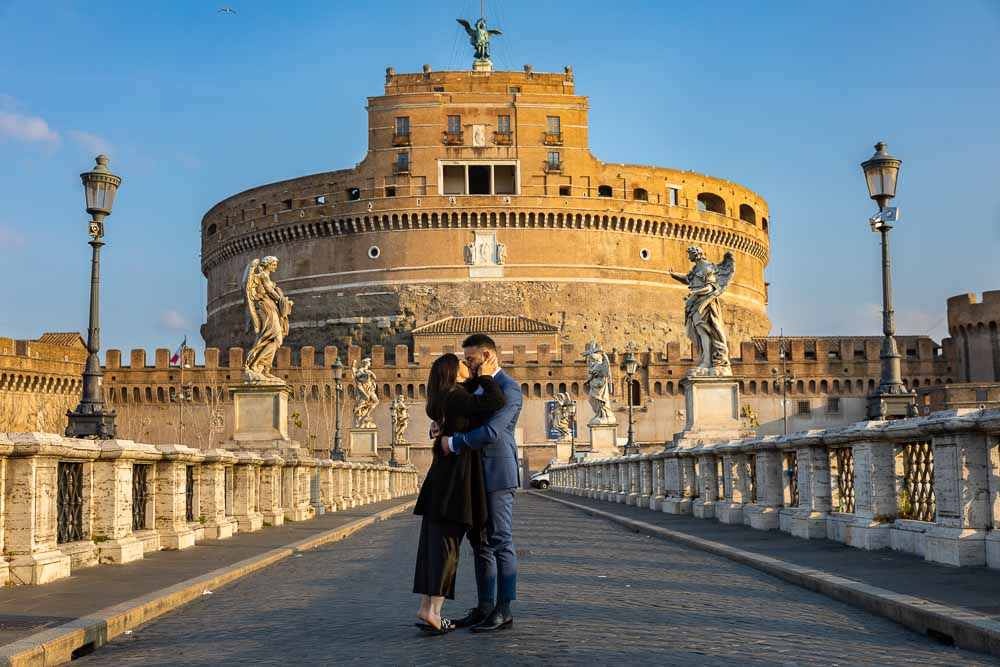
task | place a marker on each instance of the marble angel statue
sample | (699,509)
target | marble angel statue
(269,309)
(365,393)
(598,384)
(703,312)
(562,415)
(400,419)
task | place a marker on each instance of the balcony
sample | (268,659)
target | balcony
(553,167)
(401,139)
(503,138)
(400,167)
(553,139)
(453,138)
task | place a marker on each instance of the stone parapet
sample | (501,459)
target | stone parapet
(929,486)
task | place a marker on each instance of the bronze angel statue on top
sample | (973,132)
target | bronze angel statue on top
(269,309)
(479,37)
(703,313)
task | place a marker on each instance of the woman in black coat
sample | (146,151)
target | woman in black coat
(452,500)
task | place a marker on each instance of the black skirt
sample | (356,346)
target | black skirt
(437,557)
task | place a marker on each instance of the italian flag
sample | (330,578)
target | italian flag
(177,355)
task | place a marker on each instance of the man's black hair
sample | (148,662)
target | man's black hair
(481,341)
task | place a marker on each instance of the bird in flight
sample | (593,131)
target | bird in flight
(227,10)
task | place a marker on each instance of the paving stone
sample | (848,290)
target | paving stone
(591,593)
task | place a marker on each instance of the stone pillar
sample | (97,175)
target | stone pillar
(673,490)
(219,523)
(246,504)
(623,481)
(357,485)
(633,480)
(327,485)
(645,481)
(116,541)
(346,480)
(31,497)
(6,447)
(962,492)
(764,514)
(656,503)
(296,484)
(809,519)
(271,506)
(874,496)
(171,496)
(615,475)
(734,467)
(993,458)
(704,506)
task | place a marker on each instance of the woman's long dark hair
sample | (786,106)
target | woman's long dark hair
(440,382)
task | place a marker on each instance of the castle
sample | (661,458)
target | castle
(479,196)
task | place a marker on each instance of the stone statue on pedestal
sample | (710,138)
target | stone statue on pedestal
(400,419)
(365,393)
(703,313)
(598,384)
(269,309)
(562,415)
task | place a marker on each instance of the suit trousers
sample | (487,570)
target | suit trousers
(496,559)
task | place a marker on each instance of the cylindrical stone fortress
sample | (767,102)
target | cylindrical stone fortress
(479,196)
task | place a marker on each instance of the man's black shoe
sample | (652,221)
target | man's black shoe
(473,617)
(495,621)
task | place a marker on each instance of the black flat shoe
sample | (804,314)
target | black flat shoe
(423,626)
(474,616)
(446,627)
(495,621)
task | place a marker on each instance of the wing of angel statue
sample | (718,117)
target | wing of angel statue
(725,270)
(250,279)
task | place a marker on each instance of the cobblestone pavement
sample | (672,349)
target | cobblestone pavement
(591,593)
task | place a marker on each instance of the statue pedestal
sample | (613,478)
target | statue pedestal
(603,440)
(362,445)
(261,413)
(482,65)
(713,411)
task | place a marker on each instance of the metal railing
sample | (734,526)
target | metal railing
(70,503)
(916,497)
(843,458)
(140,495)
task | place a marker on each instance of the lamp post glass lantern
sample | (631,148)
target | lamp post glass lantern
(630,364)
(891,400)
(92,418)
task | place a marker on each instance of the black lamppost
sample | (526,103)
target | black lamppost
(92,419)
(891,399)
(783,384)
(337,454)
(630,364)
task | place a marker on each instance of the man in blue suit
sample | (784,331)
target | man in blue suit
(496,559)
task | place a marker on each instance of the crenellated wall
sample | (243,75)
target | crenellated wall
(832,376)
(975,343)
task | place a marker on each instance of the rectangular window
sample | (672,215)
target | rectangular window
(804,408)
(479,179)
(402,126)
(552,125)
(672,196)
(504,179)
(565,191)
(403,161)
(554,159)
(515,89)
(390,191)
(454,124)
(321,200)
(454,179)
(503,124)
(833,406)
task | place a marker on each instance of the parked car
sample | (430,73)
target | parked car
(540,480)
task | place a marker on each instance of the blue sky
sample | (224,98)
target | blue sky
(785,98)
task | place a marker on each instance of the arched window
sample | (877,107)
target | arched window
(149,394)
(409,391)
(812,386)
(537,390)
(670,388)
(550,390)
(576,388)
(747,214)
(399,390)
(562,387)
(636,393)
(658,389)
(640,194)
(753,386)
(136,395)
(212,228)
(524,389)
(314,392)
(800,387)
(763,224)
(765,387)
(824,387)
(708,201)
(159,394)
(604,191)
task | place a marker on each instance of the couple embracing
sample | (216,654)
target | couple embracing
(469,490)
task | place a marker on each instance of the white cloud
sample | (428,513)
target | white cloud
(27,128)
(90,142)
(174,321)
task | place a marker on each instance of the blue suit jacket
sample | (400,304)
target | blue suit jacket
(496,439)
